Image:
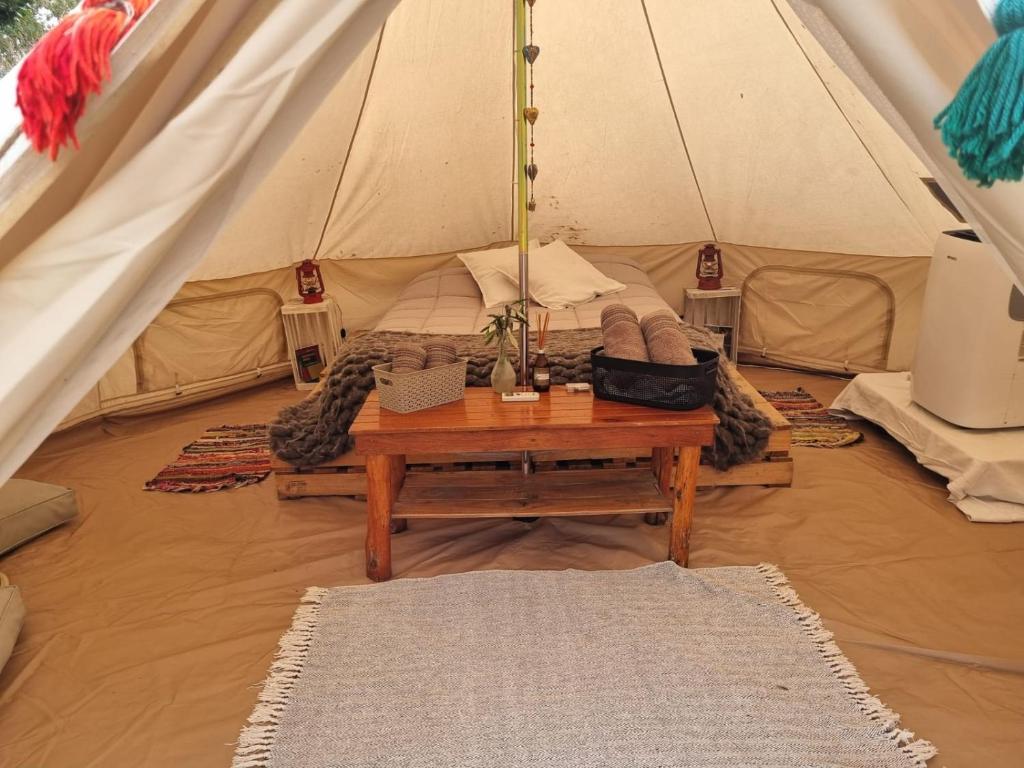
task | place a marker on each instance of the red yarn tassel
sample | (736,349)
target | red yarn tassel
(70,62)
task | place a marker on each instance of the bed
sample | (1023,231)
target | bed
(448,302)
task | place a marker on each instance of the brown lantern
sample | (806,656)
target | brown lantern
(310,282)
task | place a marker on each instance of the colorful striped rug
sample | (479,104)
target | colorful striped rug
(229,456)
(813,425)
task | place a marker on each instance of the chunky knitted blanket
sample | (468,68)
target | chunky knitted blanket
(316,429)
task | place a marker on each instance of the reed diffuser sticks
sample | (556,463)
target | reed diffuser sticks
(542,328)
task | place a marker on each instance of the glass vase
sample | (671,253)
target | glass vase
(503,375)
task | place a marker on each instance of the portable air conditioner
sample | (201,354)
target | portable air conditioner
(969,365)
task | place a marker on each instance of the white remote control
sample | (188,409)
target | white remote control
(581,386)
(520,397)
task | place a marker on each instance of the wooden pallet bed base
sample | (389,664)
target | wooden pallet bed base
(351,480)
(346,475)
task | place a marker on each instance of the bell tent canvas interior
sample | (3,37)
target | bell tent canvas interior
(239,138)
(146,270)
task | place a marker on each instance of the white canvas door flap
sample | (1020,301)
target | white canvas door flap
(210,35)
(75,300)
(918,52)
(36,191)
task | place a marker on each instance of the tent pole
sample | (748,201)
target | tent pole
(524,226)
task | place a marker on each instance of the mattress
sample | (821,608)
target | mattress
(448,301)
(985,467)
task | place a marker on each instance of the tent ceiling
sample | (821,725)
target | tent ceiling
(752,136)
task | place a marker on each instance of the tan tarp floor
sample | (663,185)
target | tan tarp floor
(153,617)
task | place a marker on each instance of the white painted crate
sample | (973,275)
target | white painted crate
(307,325)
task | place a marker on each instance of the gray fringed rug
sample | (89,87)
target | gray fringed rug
(659,666)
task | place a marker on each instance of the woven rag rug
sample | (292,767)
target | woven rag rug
(316,429)
(813,425)
(228,456)
(659,666)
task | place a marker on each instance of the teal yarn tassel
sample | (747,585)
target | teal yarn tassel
(984,125)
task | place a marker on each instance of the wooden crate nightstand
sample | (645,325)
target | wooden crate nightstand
(719,312)
(313,332)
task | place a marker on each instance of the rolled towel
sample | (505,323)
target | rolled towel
(621,333)
(666,342)
(408,358)
(440,353)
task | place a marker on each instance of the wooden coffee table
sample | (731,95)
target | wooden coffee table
(561,420)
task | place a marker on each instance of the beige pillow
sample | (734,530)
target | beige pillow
(494,285)
(12,614)
(28,508)
(560,278)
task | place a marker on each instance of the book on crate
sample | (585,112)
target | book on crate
(310,363)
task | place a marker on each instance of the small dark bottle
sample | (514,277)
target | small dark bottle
(541,372)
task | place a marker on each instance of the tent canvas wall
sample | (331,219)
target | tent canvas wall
(240,137)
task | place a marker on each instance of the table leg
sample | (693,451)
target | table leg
(397,526)
(661,465)
(682,504)
(383,480)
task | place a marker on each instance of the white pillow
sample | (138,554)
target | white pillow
(494,285)
(560,278)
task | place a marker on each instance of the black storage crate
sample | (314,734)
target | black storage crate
(674,387)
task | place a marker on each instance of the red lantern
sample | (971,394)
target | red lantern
(310,282)
(710,268)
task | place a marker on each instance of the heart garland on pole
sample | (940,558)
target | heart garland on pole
(531,113)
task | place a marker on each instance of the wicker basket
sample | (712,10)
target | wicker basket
(408,392)
(674,387)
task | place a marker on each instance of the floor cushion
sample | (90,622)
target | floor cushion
(28,508)
(12,614)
